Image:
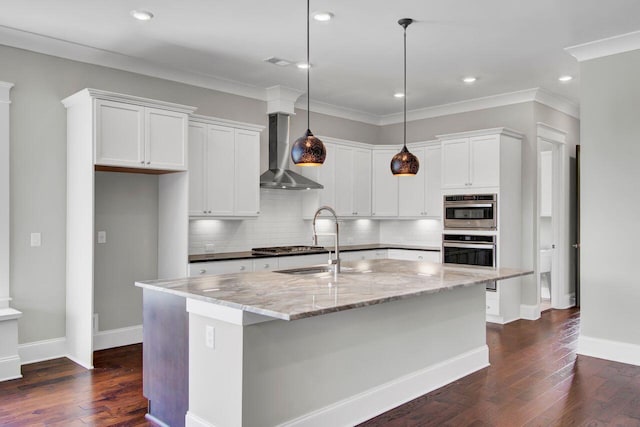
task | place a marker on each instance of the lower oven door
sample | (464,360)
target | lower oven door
(472,254)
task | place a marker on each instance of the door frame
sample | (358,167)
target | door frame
(560,295)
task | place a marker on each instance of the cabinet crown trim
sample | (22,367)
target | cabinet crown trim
(346,142)
(129,99)
(197,118)
(483,132)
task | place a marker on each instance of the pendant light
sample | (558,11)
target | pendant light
(404,163)
(308,150)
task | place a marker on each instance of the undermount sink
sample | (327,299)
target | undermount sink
(316,269)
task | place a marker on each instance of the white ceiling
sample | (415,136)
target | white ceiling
(357,58)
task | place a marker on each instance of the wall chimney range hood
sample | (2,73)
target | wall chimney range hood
(279,176)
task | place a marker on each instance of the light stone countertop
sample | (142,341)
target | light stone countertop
(360,284)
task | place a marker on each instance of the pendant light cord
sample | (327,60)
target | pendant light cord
(308,71)
(405,87)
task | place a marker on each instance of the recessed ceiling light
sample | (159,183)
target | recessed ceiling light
(302,65)
(142,15)
(398,95)
(323,16)
(565,79)
(469,79)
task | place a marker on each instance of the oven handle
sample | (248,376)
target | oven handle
(468,245)
(469,205)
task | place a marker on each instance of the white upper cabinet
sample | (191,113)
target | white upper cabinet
(224,169)
(385,185)
(353,178)
(346,177)
(420,195)
(138,136)
(472,161)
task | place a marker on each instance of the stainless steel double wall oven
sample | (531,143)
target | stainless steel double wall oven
(466,212)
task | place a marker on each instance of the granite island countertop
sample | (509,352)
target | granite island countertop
(227,256)
(360,284)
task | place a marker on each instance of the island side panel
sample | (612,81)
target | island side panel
(346,366)
(166,356)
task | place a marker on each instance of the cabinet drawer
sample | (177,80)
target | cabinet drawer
(413,255)
(265,264)
(219,267)
(302,260)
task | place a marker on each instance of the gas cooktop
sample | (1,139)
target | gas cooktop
(284,250)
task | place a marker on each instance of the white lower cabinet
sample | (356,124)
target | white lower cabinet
(362,255)
(493,303)
(414,255)
(265,264)
(302,260)
(220,267)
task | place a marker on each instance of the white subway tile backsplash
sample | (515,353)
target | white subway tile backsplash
(280,223)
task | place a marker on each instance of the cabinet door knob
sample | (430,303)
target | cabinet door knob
(420,257)
(266,266)
(142,162)
(202,271)
(242,267)
(149,162)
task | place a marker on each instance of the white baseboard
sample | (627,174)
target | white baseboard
(39,351)
(529,312)
(117,337)
(373,402)
(566,301)
(192,420)
(155,421)
(609,350)
(10,368)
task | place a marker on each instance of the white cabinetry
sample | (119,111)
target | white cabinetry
(490,161)
(220,267)
(224,171)
(414,255)
(385,185)
(471,162)
(346,177)
(110,131)
(364,254)
(136,136)
(420,195)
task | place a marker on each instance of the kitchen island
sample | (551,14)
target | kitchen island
(284,348)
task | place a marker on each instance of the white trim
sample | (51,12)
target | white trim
(80,96)
(500,320)
(605,47)
(551,134)
(91,55)
(483,132)
(558,102)
(224,122)
(9,368)
(529,312)
(346,142)
(9,314)
(282,99)
(79,362)
(225,314)
(377,400)
(610,350)
(117,337)
(192,420)
(5,191)
(39,351)
(154,420)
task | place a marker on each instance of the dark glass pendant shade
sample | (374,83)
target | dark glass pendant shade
(308,150)
(404,163)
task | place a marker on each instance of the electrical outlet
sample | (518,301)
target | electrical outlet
(102,237)
(209,247)
(210,337)
(36,239)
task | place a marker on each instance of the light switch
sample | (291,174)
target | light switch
(36,239)
(210,337)
(102,237)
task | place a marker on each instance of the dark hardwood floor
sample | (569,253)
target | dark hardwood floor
(535,379)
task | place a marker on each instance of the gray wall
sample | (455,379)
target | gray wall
(38,164)
(126,207)
(610,206)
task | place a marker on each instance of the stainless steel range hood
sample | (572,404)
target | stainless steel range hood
(279,176)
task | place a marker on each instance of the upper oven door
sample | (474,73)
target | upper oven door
(470,215)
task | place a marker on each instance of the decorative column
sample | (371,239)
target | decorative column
(9,359)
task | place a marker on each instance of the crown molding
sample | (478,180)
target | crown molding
(341,112)
(120,97)
(557,102)
(225,122)
(483,132)
(605,47)
(91,55)
(82,53)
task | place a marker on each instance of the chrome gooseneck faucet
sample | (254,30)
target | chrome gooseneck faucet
(335,262)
